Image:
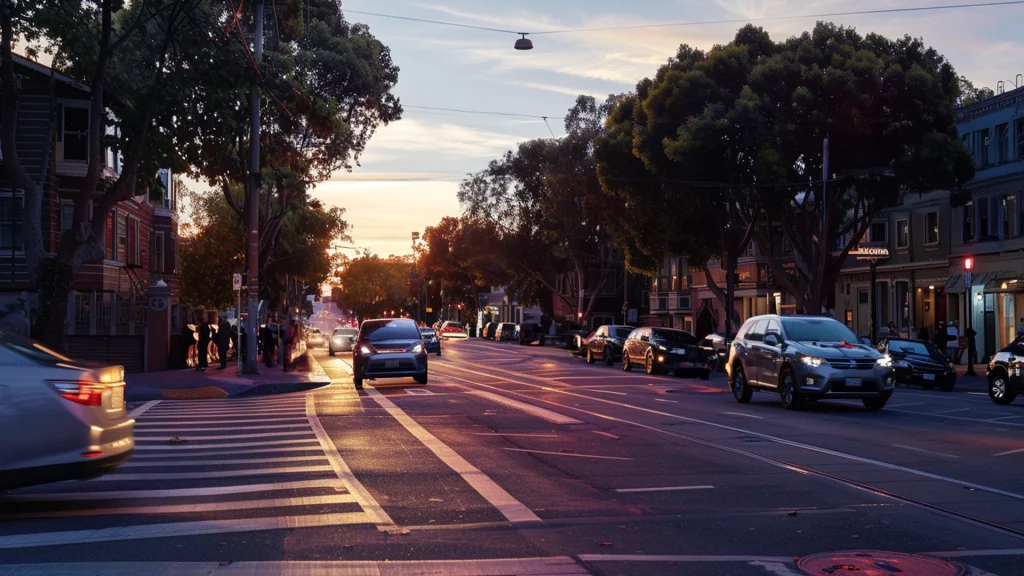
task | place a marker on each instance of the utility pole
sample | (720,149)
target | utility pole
(252,204)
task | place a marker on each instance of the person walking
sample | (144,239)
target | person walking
(953,342)
(269,341)
(223,341)
(204,342)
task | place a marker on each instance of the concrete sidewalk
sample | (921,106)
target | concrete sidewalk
(216,383)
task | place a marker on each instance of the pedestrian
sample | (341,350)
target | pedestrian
(940,336)
(223,341)
(953,342)
(289,330)
(204,342)
(892,330)
(922,334)
(969,344)
(269,341)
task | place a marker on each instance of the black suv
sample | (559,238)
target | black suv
(388,348)
(1003,372)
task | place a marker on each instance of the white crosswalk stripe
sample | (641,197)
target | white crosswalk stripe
(202,467)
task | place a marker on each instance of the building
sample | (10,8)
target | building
(622,298)
(107,310)
(669,297)
(990,225)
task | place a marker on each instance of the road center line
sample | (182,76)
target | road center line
(566,454)
(1008,452)
(537,411)
(607,392)
(923,451)
(666,488)
(514,510)
(602,433)
(664,400)
(744,415)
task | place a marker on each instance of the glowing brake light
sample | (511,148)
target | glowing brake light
(82,393)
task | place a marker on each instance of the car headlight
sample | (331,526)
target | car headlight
(417,349)
(884,361)
(365,350)
(812,361)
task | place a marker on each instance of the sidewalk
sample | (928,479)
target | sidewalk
(216,383)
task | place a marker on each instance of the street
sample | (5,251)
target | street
(526,460)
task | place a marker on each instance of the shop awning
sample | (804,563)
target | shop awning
(1004,281)
(956,283)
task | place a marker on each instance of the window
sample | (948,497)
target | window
(981,210)
(158,253)
(1020,138)
(902,233)
(112,236)
(903,303)
(122,238)
(984,141)
(1009,212)
(968,223)
(878,232)
(1003,143)
(756,334)
(67,215)
(75,133)
(931,228)
(11,236)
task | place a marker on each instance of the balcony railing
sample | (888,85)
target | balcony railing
(670,302)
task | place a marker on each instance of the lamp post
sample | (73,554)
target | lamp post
(968,281)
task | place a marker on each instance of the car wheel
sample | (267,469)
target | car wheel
(422,379)
(705,375)
(358,382)
(590,356)
(649,367)
(947,387)
(439,352)
(626,366)
(876,404)
(791,399)
(998,389)
(330,352)
(741,392)
(607,357)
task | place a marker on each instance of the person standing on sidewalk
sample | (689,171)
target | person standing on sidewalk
(269,341)
(223,341)
(204,342)
(953,342)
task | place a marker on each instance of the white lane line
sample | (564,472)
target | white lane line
(905,405)
(324,500)
(172,529)
(596,375)
(143,409)
(957,418)
(164,438)
(205,453)
(341,469)
(952,411)
(603,433)
(969,553)
(775,568)
(170,405)
(607,392)
(517,435)
(145,447)
(554,566)
(544,413)
(792,443)
(923,451)
(175,492)
(1005,418)
(566,454)
(146,423)
(664,400)
(418,392)
(666,488)
(194,463)
(744,415)
(188,430)
(514,510)
(217,413)
(673,558)
(1008,452)
(206,475)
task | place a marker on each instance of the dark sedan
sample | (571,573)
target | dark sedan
(606,344)
(919,362)
(664,350)
(431,343)
(388,348)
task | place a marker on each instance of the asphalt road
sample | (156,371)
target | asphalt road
(525,460)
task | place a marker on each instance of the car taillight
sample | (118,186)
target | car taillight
(83,393)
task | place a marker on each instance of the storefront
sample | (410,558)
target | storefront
(996,305)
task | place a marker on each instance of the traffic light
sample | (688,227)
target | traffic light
(969,263)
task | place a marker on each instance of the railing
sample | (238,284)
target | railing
(670,301)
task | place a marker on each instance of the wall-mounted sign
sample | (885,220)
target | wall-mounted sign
(870,252)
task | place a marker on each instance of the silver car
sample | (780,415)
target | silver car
(341,340)
(59,419)
(806,358)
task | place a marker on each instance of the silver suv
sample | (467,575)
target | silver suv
(807,358)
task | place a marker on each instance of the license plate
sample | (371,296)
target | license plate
(391,364)
(928,376)
(853,382)
(117,398)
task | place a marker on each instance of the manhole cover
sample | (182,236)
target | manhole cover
(876,563)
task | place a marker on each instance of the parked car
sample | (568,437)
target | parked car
(60,419)
(807,358)
(606,344)
(341,340)
(506,332)
(315,338)
(661,350)
(489,330)
(1003,373)
(453,331)
(431,342)
(528,333)
(716,349)
(919,362)
(389,348)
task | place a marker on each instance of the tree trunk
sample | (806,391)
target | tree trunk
(56,279)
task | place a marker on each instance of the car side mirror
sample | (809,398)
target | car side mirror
(771,339)
(352,339)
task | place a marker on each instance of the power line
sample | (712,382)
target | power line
(488,113)
(440,22)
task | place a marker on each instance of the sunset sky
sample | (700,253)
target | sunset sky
(411,169)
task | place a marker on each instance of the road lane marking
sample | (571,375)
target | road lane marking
(603,433)
(514,510)
(664,400)
(904,405)
(952,411)
(164,437)
(537,411)
(323,500)
(147,423)
(678,558)
(566,454)
(1008,452)
(969,553)
(218,412)
(923,451)
(172,529)
(175,492)
(144,447)
(776,568)
(186,429)
(143,409)
(956,418)
(596,375)
(206,475)
(744,415)
(666,488)
(150,464)
(1005,418)
(524,435)
(606,392)
(341,469)
(202,453)
(791,443)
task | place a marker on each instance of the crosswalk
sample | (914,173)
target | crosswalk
(202,467)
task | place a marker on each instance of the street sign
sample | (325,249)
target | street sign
(631,316)
(968,278)
(236,282)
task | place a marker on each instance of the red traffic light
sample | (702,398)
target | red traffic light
(968,263)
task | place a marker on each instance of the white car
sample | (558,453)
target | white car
(59,419)
(453,331)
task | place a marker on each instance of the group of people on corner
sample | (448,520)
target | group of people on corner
(224,337)
(947,338)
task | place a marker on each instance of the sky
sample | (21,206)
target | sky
(409,175)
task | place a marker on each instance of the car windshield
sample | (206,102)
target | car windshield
(674,336)
(30,349)
(345,332)
(621,332)
(394,330)
(817,330)
(912,347)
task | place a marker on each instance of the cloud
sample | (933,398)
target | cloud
(440,138)
(557,89)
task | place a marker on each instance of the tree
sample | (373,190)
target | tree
(969,94)
(460,252)
(747,120)
(371,286)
